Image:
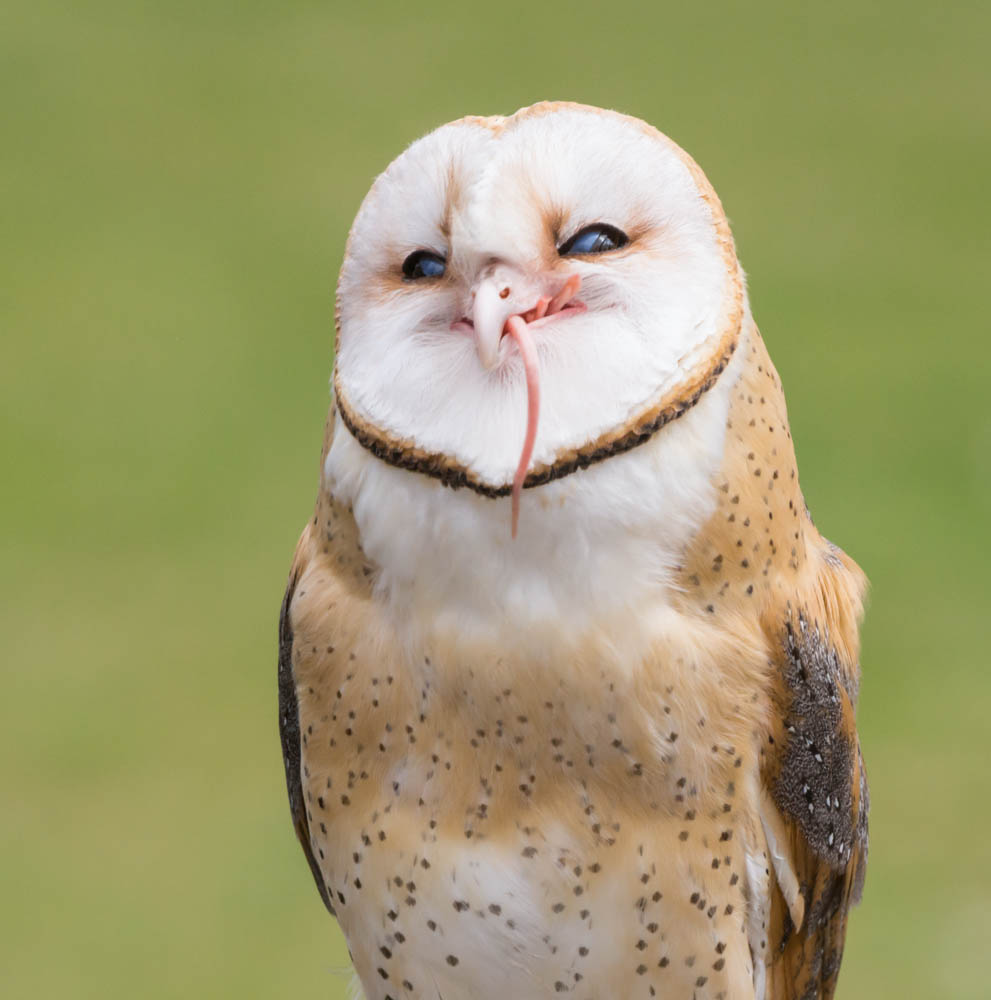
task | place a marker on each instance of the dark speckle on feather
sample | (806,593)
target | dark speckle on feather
(814,786)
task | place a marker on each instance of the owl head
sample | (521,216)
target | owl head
(564,252)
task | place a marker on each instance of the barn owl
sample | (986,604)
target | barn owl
(567,675)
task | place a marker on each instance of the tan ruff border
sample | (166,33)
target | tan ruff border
(404,454)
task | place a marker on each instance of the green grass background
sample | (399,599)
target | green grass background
(176,183)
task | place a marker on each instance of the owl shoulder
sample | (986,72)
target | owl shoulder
(814,786)
(319,620)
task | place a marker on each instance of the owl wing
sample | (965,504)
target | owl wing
(289,721)
(814,808)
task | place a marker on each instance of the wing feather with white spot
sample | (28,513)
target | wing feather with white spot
(814,796)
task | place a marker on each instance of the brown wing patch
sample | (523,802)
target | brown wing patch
(815,772)
(289,733)
(814,785)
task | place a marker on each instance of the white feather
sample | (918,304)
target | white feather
(651,312)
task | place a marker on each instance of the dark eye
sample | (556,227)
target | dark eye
(423,264)
(600,237)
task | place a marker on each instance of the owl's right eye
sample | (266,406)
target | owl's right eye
(423,264)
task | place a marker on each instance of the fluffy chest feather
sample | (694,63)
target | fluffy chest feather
(486,815)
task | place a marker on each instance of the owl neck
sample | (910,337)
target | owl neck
(759,557)
(600,551)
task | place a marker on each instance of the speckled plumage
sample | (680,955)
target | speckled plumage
(671,806)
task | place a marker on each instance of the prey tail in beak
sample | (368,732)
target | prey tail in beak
(495,315)
(516,326)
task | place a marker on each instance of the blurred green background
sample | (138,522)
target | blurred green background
(177,183)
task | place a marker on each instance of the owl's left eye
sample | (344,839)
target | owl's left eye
(423,264)
(600,237)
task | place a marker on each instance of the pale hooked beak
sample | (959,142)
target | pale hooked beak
(493,305)
(501,296)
